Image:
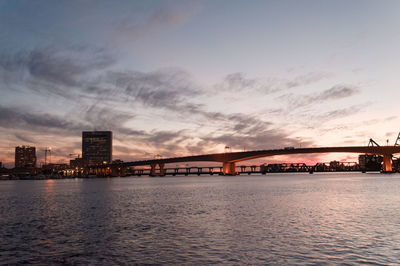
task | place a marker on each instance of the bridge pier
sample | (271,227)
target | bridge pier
(153,171)
(211,170)
(387,163)
(229,168)
(243,168)
(118,171)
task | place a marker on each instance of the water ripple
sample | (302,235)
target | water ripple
(273,219)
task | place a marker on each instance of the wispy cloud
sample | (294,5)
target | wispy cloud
(20,118)
(103,93)
(61,72)
(164,88)
(307,79)
(334,93)
(135,26)
(240,82)
(317,120)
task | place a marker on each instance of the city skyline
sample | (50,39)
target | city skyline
(182,78)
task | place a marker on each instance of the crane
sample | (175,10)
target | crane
(397,143)
(372,143)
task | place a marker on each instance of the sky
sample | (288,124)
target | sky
(180,78)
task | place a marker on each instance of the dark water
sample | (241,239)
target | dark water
(273,219)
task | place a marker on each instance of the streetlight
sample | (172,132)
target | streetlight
(47,150)
(299,140)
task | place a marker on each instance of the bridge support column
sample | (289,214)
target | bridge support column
(153,171)
(229,168)
(117,171)
(387,163)
(243,168)
(162,170)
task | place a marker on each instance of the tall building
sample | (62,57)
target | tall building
(96,147)
(25,157)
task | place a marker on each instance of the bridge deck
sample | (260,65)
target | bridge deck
(248,155)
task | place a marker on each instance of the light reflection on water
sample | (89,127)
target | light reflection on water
(273,219)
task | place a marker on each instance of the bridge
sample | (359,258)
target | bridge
(230,159)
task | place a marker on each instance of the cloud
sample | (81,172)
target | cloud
(335,93)
(113,24)
(24,138)
(106,117)
(240,82)
(306,79)
(319,119)
(12,117)
(343,112)
(266,139)
(163,137)
(104,93)
(27,120)
(62,72)
(164,88)
(236,122)
(101,92)
(169,88)
(338,92)
(138,25)
(28,123)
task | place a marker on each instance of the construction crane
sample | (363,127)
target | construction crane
(397,143)
(372,143)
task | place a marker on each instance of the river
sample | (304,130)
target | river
(273,219)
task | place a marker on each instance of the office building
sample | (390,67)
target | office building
(96,147)
(25,157)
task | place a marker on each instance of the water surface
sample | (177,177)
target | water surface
(272,219)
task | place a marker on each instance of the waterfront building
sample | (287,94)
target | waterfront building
(25,157)
(77,162)
(370,162)
(96,147)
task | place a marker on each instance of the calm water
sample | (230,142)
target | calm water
(273,219)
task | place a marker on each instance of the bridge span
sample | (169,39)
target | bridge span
(230,159)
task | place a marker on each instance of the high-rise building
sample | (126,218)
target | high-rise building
(96,147)
(25,157)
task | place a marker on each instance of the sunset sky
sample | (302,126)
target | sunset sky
(189,77)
